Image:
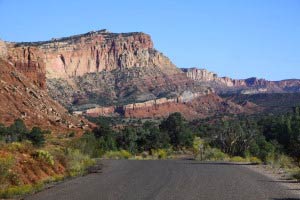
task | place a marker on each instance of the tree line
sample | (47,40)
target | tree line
(172,132)
(263,137)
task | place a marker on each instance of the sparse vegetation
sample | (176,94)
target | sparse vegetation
(26,153)
(13,191)
(6,162)
(77,162)
(122,154)
(160,153)
(44,156)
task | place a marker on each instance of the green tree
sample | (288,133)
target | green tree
(150,137)
(127,139)
(17,131)
(176,127)
(106,136)
(261,148)
(36,136)
(87,144)
(236,137)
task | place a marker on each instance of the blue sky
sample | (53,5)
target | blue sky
(234,38)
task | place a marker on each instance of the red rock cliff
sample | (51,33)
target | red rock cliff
(90,52)
(246,86)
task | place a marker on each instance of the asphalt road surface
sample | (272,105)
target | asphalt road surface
(169,179)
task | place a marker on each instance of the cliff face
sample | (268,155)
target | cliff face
(244,86)
(94,52)
(28,60)
(98,67)
(19,98)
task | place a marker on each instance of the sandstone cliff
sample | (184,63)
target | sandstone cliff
(243,86)
(19,98)
(99,71)
(99,67)
(198,107)
(27,60)
(93,52)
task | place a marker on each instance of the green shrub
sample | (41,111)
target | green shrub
(160,153)
(283,161)
(36,136)
(77,162)
(122,154)
(196,144)
(238,159)
(87,144)
(44,156)
(59,155)
(14,191)
(255,160)
(23,147)
(17,131)
(125,154)
(214,154)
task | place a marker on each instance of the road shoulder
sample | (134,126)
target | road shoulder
(277,175)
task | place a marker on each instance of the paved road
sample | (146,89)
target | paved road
(166,180)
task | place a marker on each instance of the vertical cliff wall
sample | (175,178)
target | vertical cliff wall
(91,52)
(29,61)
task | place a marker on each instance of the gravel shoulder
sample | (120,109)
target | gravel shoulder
(278,176)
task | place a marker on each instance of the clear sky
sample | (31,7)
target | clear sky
(233,38)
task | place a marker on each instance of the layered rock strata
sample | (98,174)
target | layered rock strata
(243,86)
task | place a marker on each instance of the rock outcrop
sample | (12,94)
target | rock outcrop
(20,98)
(190,105)
(244,86)
(200,107)
(28,60)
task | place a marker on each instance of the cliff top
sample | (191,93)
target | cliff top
(103,32)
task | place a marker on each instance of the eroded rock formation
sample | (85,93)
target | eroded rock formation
(19,98)
(243,86)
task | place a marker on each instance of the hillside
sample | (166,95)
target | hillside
(20,98)
(276,103)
